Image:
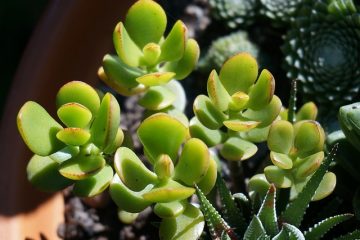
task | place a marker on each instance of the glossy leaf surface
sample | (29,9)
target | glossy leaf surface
(74,115)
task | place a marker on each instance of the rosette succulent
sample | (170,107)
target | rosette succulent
(178,163)
(281,11)
(235,13)
(147,60)
(239,108)
(76,151)
(349,118)
(225,47)
(322,50)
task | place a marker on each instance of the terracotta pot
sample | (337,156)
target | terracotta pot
(68,44)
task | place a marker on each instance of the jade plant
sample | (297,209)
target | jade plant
(147,61)
(76,151)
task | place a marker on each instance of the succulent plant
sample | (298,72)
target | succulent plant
(225,47)
(349,118)
(239,108)
(235,13)
(322,51)
(266,224)
(135,187)
(146,60)
(281,11)
(75,152)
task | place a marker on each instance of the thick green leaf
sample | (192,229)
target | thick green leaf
(164,167)
(170,209)
(126,199)
(180,96)
(74,115)
(73,136)
(262,92)
(282,235)
(193,162)
(173,47)
(65,154)
(238,101)
(326,186)
(256,135)
(281,137)
(82,166)
(43,173)
(240,125)
(255,229)
(308,111)
(119,138)
(281,160)
(208,181)
(95,184)
(280,177)
(309,137)
(161,134)
(188,225)
(308,165)
(107,122)
(236,149)
(217,92)
(187,63)
(209,115)
(152,53)
(267,212)
(38,129)
(239,73)
(294,232)
(145,22)
(157,98)
(210,137)
(79,92)
(131,170)
(127,217)
(154,79)
(259,184)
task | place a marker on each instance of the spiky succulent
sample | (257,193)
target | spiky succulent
(234,13)
(224,47)
(322,50)
(281,11)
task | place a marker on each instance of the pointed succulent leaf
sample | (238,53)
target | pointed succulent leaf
(308,111)
(309,165)
(157,98)
(210,137)
(65,154)
(173,47)
(281,160)
(161,134)
(164,167)
(209,115)
(236,149)
(280,177)
(281,137)
(107,122)
(282,235)
(189,225)
(74,115)
(240,125)
(267,114)
(145,22)
(43,173)
(259,184)
(38,129)
(294,232)
(73,136)
(350,236)
(193,162)
(326,186)
(267,212)
(295,211)
(262,92)
(125,47)
(154,79)
(127,199)
(232,214)
(238,101)
(79,92)
(309,137)
(119,75)
(95,184)
(239,73)
(208,181)
(131,170)
(187,63)
(168,191)
(170,209)
(321,228)
(255,229)
(82,166)
(217,92)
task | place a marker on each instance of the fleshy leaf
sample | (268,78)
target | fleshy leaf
(187,63)
(281,178)
(173,47)
(43,173)
(326,187)
(293,232)
(308,111)
(281,160)
(208,181)
(154,79)
(126,199)
(164,167)
(239,73)
(238,101)
(157,98)
(207,113)
(38,129)
(180,96)
(79,92)
(119,138)
(259,184)
(95,184)
(65,154)
(267,212)
(74,115)
(152,53)
(239,125)
(170,209)
(131,170)
(161,134)
(168,191)
(309,137)
(210,137)
(127,50)
(73,136)
(262,92)
(189,225)
(236,149)
(127,217)
(309,165)
(217,92)
(145,22)
(256,135)
(255,229)
(281,137)
(107,122)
